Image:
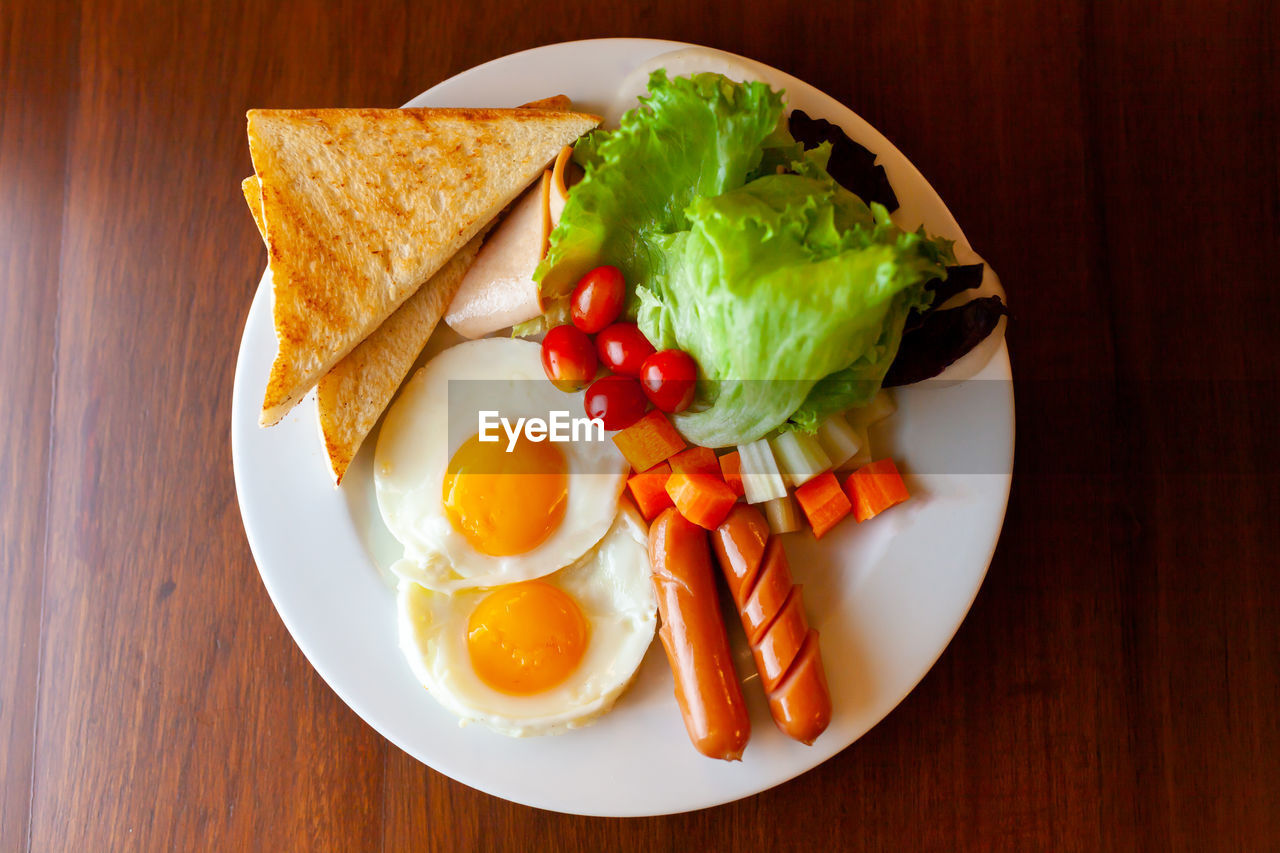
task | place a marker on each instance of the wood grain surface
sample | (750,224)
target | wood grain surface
(1114,687)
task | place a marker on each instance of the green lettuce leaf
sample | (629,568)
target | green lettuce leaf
(788,290)
(791,295)
(692,137)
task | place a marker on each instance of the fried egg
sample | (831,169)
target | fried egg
(539,656)
(474,512)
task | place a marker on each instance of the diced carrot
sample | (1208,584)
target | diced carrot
(648,441)
(695,460)
(649,489)
(824,502)
(874,488)
(731,470)
(703,499)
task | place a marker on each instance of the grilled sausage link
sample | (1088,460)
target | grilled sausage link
(785,648)
(693,634)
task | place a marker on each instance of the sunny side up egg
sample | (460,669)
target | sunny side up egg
(483,513)
(524,600)
(542,656)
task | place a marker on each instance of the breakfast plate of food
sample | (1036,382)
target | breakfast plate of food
(622,427)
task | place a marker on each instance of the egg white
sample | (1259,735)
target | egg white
(428,423)
(611,585)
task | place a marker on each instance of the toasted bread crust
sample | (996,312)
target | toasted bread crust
(362,206)
(352,396)
(555,102)
(253,197)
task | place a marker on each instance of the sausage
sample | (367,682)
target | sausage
(780,644)
(693,634)
(801,704)
(769,595)
(772,610)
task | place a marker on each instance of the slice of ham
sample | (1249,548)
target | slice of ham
(559,185)
(498,290)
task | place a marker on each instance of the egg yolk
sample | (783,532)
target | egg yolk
(526,637)
(506,502)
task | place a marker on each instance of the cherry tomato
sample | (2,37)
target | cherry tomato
(623,348)
(668,378)
(617,400)
(597,300)
(568,357)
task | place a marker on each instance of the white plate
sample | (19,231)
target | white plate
(886,595)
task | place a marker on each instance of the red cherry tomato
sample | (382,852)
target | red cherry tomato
(597,300)
(669,378)
(623,348)
(617,400)
(568,357)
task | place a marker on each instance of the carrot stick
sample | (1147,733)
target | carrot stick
(649,489)
(648,441)
(824,502)
(703,499)
(695,460)
(874,488)
(731,470)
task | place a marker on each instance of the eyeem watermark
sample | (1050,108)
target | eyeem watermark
(558,426)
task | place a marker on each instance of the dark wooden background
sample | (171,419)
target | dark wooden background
(1116,683)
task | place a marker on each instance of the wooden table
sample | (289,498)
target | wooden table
(1115,685)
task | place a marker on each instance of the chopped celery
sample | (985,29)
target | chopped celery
(880,407)
(839,440)
(556,314)
(863,456)
(782,514)
(800,457)
(760,477)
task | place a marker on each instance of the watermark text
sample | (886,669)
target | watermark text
(558,426)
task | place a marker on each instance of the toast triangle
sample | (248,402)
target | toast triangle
(362,206)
